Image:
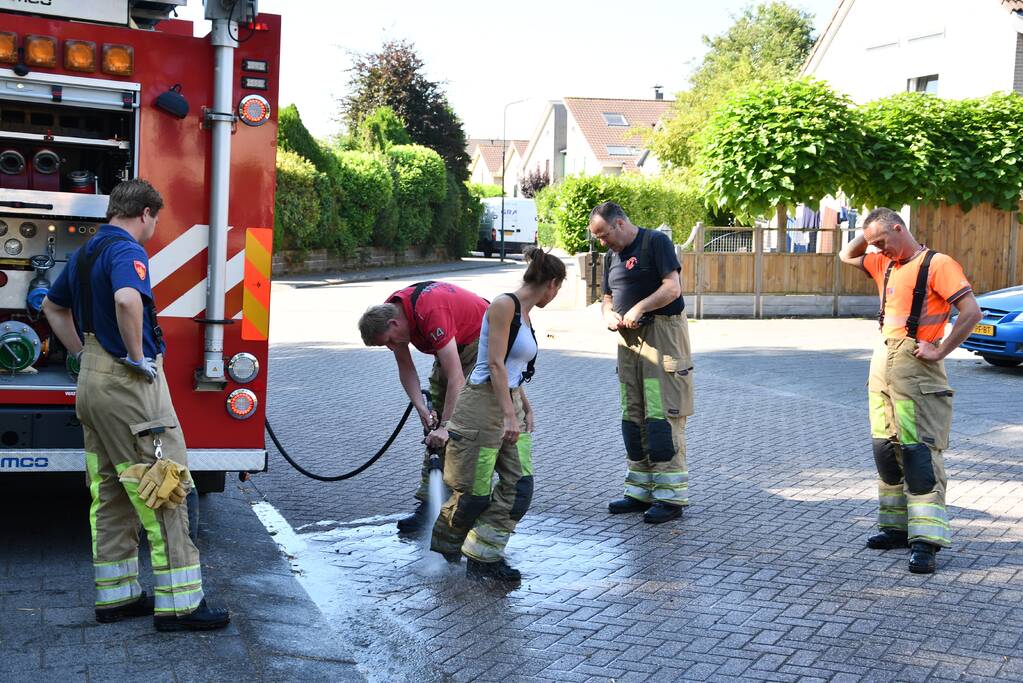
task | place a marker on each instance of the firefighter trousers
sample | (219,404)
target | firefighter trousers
(655,372)
(119,411)
(910,420)
(479,517)
(438,392)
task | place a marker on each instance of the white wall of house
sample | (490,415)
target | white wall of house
(513,171)
(881,44)
(579,159)
(479,173)
(543,154)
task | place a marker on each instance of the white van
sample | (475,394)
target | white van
(520,225)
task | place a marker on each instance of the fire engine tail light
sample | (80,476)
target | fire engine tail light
(40,51)
(118,60)
(243,368)
(254,110)
(80,55)
(241,404)
(8,47)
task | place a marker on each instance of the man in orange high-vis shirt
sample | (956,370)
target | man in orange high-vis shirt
(910,399)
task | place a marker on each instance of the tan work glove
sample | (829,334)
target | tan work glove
(164,483)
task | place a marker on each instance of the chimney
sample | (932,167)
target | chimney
(658,92)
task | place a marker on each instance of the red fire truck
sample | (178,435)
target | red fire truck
(92,93)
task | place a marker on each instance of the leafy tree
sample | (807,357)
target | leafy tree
(781,142)
(394,77)
(534,181)
(766,42)
(380,130)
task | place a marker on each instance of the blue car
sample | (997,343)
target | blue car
(998,337)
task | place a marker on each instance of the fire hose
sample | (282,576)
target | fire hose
(361,468)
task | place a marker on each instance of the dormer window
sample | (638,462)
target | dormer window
(615,119)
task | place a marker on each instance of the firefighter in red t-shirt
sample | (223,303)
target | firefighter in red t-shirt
(442,320)
(910,399)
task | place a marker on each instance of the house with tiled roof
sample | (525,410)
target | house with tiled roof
(602,137)
(952,48)
(485,159)
(591,136)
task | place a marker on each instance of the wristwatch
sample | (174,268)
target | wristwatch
(443,424)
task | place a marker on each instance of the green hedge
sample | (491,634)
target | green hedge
(365,187)
(483,190)
(340,199)
(419,183)
(564,209)
(297,212)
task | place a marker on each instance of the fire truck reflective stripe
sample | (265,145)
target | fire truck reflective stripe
(256,297)
(193,302)
(178,252)
(73,460)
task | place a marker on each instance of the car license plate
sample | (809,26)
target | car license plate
(986,330)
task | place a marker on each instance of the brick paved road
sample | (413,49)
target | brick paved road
(766,576)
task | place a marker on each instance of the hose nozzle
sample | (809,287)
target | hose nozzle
(435,462)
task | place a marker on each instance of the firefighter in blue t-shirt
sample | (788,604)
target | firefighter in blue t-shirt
(643,303)
(101,309)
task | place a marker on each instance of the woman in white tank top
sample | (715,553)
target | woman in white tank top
(491,431)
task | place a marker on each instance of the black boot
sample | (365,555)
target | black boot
(204,618)
(662,512)
(142,607)
(888,539)
(415,522)
(626,504)
(921,557)
(493,571)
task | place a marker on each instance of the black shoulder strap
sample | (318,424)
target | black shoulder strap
(419,287)
(516,324)
(513,334)
(919,295)
(644,250)
(84,265)
(884,294)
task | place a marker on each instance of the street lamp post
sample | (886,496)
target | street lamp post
(504,154)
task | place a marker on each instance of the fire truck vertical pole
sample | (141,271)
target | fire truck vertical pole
(220,186)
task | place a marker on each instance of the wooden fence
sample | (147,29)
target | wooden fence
(985,240)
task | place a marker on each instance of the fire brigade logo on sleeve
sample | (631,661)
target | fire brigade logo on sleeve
(140,270)
(631,263)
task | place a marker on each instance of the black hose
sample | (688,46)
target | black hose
(346,475)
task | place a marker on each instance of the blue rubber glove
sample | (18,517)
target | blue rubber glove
(145,368)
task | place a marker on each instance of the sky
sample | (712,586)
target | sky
(488,54)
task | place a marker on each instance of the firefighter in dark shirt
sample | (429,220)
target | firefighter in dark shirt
(133,441)
(643,303)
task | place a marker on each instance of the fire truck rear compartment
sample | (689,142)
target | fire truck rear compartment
(63,148)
